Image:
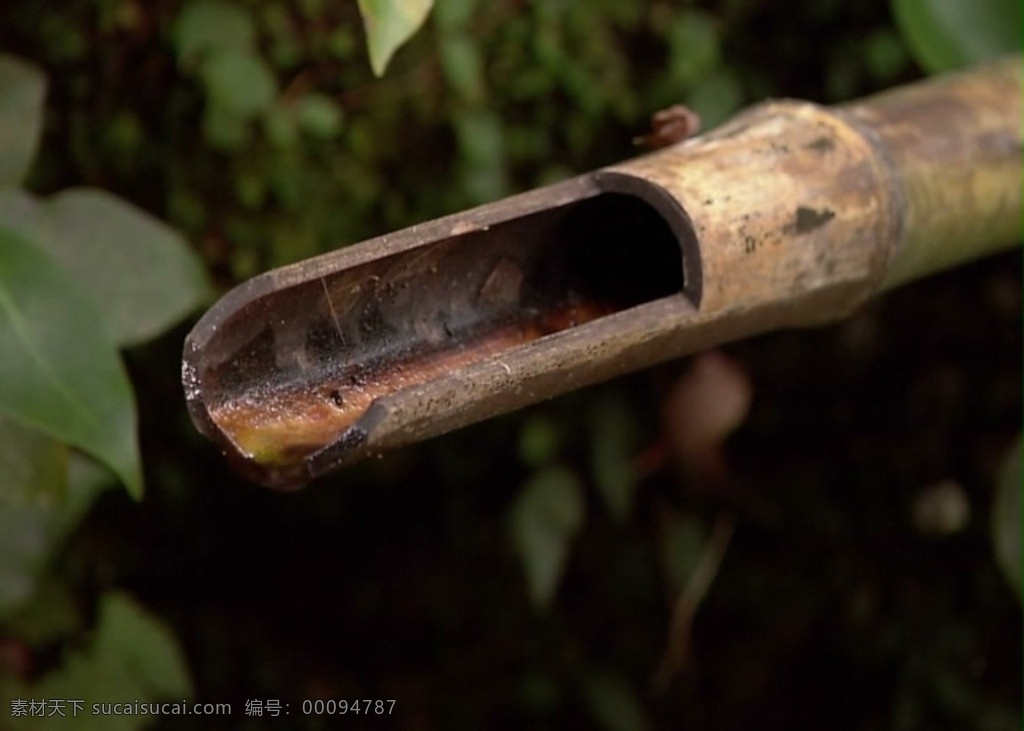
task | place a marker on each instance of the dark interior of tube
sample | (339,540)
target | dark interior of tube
(613,249)
(303,363)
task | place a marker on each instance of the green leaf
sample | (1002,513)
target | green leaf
(539,441)
(453,16)
(137,641)
(480,135)
(101,239)
(280,126)
(224,130)
(546,516)
(614,438)
(21,214)
(1007,517)
(716,97)
(885,55)
(87,478)
(140,272)
(50,616)
(462,65)
(34,470)
(694,50)
(22,90)
(238,82)
(44,494)
(389,24)
(132,658)
(948,34)
(206,25)
(59,370)
(319,115)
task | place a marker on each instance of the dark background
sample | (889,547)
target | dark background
(833,608)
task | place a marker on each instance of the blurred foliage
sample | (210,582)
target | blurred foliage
(546,516)
(132,658)
(947,34)
(521,573)
(216,43)
(23,87)
(81,274)
(282,93)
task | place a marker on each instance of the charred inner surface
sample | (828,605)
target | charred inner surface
(289,372)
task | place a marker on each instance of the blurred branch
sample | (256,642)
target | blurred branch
(677,649)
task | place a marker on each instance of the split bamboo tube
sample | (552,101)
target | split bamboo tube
(789,215)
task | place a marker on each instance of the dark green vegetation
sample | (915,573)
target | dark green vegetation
(856,591)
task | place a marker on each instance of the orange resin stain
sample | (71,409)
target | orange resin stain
(285,426)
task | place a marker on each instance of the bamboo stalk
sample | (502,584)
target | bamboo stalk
(791,214)
(953,146)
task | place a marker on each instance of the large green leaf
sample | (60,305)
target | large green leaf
(22,89)
(389,24)
(948,34)
(59,369)
(20,213)
(138,271)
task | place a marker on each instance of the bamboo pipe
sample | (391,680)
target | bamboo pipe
(789,215)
